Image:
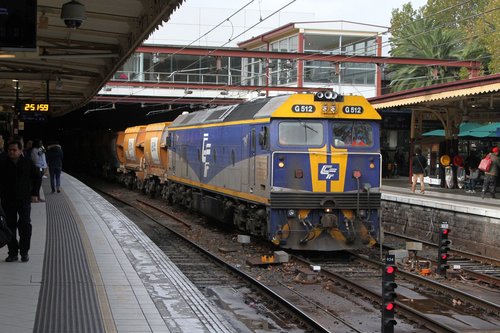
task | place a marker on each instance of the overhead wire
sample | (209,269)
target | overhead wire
(246,30)
(347,57)
(441,26)
(202,36)
(384,44)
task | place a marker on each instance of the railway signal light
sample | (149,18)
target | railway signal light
(443,248)
(389,295)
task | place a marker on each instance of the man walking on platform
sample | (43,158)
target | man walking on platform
(54,158)
(418,165)
(490,177)
(18,175)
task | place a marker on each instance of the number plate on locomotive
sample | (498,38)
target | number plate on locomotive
(301,108)
(352,109)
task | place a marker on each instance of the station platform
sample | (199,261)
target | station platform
(93,270)
(475,222)
(399,190)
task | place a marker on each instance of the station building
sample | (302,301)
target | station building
(163,65)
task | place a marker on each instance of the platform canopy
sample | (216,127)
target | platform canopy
(73,53)
(464,127)
(487,131)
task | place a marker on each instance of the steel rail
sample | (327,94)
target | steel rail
(471,299)
(301,315)
(488,278)
(403,309)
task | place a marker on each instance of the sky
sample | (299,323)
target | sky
(190,23)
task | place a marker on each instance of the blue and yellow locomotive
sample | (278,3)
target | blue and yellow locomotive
(300,170)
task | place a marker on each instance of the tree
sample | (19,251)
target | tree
(421,39)
(443,29)
(486,32)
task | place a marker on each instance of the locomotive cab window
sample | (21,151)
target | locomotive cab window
(300,133)
(352,134)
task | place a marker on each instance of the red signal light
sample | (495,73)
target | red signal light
(390,269)
(444,256)
(389,306)
(445,231)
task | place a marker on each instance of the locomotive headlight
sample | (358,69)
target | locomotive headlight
(324,108)
(328,210)
(291,213)
(333,108)
(281,161)
(372,165)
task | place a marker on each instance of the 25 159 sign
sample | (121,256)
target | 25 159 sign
(40,107)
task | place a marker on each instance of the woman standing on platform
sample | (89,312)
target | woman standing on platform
(418,165)
(490,177)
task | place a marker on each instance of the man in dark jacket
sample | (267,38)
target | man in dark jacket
(17,178)
(490,177)
(54,159)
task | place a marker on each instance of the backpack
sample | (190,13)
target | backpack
(485,164)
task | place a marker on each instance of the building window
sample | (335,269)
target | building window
(322,43)
(319,71)
(357,73)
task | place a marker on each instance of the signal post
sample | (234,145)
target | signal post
(389,294)
(443,248)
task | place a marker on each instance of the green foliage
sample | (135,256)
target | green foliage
(443,29)
(487,33)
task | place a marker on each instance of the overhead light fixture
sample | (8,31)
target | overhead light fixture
(73,14)
(100,109)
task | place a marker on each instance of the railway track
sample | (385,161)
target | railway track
(207,271)
(474,266)
(413,307)
(434,300)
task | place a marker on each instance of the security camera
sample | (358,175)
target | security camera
(73,14)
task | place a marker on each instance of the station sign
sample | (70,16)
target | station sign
(34,112)
(35,107)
